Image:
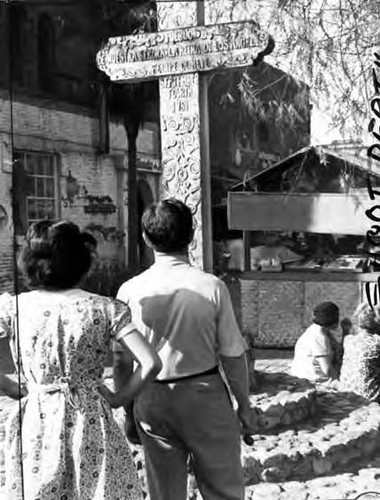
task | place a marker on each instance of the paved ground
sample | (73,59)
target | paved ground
(355,483)
(273,360)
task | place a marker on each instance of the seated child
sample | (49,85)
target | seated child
(316,353)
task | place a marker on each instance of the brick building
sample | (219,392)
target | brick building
(72,160)
(60,157)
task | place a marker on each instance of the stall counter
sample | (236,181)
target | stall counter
(277,307)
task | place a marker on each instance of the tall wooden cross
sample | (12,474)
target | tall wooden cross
(179,54)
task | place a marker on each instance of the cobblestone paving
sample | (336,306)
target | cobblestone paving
(344,482)
(348,483)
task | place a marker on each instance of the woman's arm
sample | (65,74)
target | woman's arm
(149,364)
(122,372)
(9,387)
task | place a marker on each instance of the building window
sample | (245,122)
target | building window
(37,188)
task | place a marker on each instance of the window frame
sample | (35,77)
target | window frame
(23,155)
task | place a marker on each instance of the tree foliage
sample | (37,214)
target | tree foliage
(327,44)
(127,17)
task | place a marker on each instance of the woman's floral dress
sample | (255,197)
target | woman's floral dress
(72,448)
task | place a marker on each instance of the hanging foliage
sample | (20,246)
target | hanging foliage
(326,44)
(329,45)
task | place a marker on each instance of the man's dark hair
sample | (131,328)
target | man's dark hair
(168,225)
(55,255)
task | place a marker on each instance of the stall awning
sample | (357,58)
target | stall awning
(318,213)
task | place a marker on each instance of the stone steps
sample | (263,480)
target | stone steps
(303,432)
(345,429)
(283,400)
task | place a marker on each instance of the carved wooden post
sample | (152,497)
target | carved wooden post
(185,166)
(176,55)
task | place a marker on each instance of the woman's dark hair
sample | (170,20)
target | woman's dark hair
(367,318)
(55,255)
(89,240)
(168,225)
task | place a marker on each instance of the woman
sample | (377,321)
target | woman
(72,448)
(316,351)
(361,359)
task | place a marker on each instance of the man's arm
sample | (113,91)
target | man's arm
(10,387)
(237,375)
(232,354)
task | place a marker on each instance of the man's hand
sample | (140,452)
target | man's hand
(131,430)
(248,420)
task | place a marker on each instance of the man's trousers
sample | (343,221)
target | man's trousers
(190,421)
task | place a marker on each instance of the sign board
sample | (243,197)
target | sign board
(320,213)
(184,47)
(182,50)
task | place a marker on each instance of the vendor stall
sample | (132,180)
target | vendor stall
(305,222)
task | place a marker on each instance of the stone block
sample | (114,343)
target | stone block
(287,418)
(268,421)
(266,490)
(293,495)
(322,465)
(369,446)
(275,474)
(327,493)
(370,473)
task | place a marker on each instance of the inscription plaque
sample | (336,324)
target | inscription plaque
(185,50)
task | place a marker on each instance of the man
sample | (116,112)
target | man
(186,414)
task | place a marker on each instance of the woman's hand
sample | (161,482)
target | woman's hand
(111,397)
(149,365)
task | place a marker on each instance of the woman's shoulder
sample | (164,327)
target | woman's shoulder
(63,299)
(7,303)
(108,303)
(97,301)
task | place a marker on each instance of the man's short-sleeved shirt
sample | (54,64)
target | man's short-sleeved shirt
(311,344)
(186,315)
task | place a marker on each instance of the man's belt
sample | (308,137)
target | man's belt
(211,371)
